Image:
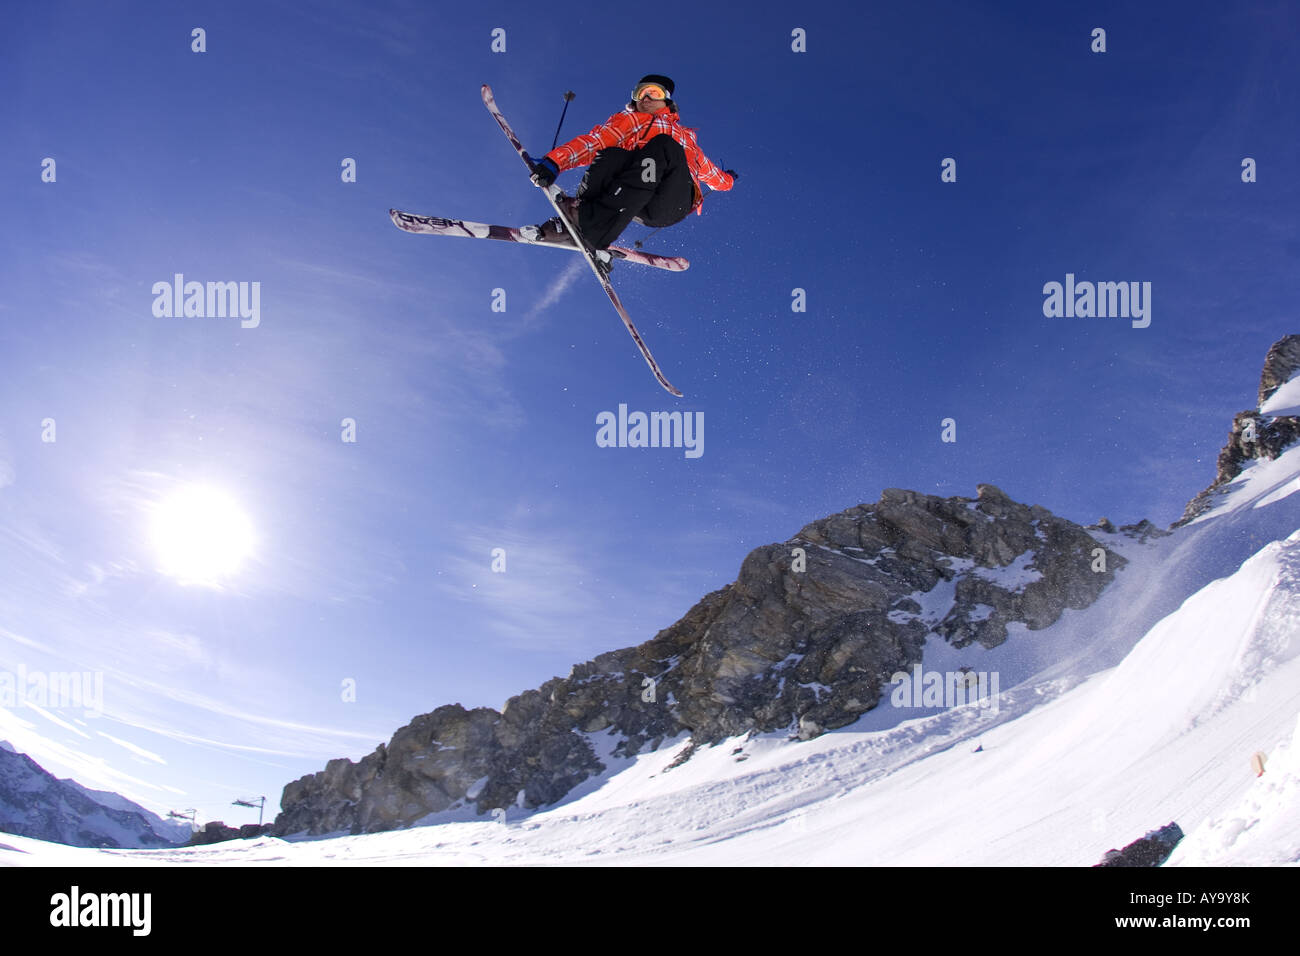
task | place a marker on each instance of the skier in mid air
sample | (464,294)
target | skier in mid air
(645,166)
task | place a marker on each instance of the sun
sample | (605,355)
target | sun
(201,535)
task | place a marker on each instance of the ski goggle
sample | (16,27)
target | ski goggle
(650,90)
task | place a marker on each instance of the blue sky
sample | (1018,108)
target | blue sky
(476,429)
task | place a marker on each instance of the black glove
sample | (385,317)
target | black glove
(732,173)
(544,173)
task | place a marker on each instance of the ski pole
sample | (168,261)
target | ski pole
(567,97)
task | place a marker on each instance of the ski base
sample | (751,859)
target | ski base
(461,228)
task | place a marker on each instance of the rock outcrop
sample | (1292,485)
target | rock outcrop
(1150,850)
(216,831)
(1280,366)
(805,640)
(1254,435)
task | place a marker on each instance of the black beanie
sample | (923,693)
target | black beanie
(663,81)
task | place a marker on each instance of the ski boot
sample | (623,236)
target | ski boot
(605,259)
(553,230)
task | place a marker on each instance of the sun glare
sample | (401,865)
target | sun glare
(201,535)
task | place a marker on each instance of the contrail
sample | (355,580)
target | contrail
(559,286)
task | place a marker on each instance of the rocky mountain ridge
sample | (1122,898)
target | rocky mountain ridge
(35,803)
(805,640)
(1254,435)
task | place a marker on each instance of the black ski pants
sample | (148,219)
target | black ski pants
(652,185)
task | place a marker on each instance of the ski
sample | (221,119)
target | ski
(552,194)
(438,226)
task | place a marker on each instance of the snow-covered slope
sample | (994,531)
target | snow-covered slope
(1260,830)
(175,831)
(1139,710)
(1285,401)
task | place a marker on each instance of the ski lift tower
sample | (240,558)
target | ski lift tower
(260,804)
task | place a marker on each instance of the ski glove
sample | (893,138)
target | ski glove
(544,173)
(732,173)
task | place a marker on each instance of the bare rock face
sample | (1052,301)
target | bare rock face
(428,765)
(1280,365)
(806,640)
(1254,435)
(216,831)
(1150,850)
(812,649)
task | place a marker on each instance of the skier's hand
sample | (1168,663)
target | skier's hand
(544,173)
(732,173)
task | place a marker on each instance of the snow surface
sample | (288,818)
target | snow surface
(1284,401)
(1142,709)
(1260,830)
(1015,576)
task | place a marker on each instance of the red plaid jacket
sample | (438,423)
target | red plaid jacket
(630,129)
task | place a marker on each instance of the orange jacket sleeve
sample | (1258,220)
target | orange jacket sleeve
(704,169)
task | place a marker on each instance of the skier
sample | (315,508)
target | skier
(644,167)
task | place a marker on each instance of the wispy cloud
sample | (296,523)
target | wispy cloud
(25,641)
(287,736)
(56,721)
(60,759)
(553,594)
(229,747)
(97,577)
(539,596)
(137,750)
(559,285)
(360,282)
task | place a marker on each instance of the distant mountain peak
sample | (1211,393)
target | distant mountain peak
(34,803)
